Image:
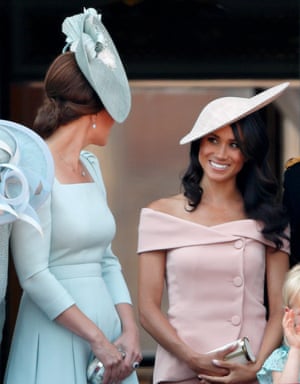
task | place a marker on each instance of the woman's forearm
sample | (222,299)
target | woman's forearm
(271,340)
(127,316)
(78,323)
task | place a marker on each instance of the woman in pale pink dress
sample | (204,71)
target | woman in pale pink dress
(216,246)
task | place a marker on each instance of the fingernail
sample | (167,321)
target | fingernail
(215,361)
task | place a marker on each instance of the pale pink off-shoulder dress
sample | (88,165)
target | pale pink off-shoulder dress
(215,281)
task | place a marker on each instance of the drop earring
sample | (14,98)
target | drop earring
(94,126)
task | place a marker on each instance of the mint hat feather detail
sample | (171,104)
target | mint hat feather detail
(99,61)
(26,173)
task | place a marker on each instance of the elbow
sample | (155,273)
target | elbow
(143,315)
(142,320)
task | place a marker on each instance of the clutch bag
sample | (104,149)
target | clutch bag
(242,354)
(95,371)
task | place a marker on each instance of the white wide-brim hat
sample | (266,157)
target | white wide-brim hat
(227,110)
(26,173)
(99,61)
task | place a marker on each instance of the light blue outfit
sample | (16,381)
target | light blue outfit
(275,362)
(71,264)
(4,236)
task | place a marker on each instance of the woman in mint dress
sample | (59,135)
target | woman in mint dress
(75,304)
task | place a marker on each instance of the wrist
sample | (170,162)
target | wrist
(295,350)
(256,366)
(191,358)
(130,327)
(96,338)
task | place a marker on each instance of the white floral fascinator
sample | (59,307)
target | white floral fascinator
(26,173)
(99,61)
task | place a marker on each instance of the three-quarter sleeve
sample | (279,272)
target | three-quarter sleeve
(30,252)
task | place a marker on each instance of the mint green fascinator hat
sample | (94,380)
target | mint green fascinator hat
(26,173)
(99,61)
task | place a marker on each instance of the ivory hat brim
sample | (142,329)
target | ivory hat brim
(227,110)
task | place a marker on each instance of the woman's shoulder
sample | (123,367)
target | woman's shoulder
(170,205)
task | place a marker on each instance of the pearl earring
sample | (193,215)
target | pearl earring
(94,126)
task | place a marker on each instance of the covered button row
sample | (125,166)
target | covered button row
(237,282)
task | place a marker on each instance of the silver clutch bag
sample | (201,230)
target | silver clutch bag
(95,371)
(242,354)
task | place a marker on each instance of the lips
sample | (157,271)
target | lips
(218,165)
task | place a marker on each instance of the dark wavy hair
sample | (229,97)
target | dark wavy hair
(256,182)
(68,96)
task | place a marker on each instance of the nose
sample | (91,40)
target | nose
(222,151)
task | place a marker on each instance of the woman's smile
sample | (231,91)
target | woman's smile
(218,166)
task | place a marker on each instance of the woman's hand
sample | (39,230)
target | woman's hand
(129,340)
(111,358)
(203,364)
(108,353)
(129,343)
(236,373)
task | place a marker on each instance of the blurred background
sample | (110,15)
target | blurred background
(179,55)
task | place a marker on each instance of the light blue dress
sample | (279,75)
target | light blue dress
(71,264)
(4,236)
(274,363)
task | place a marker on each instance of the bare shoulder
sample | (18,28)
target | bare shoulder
(170,205)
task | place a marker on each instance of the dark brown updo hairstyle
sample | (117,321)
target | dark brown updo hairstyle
(68,96)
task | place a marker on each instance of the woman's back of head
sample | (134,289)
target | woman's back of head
(68,96)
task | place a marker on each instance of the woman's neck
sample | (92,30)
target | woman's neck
(220,194)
